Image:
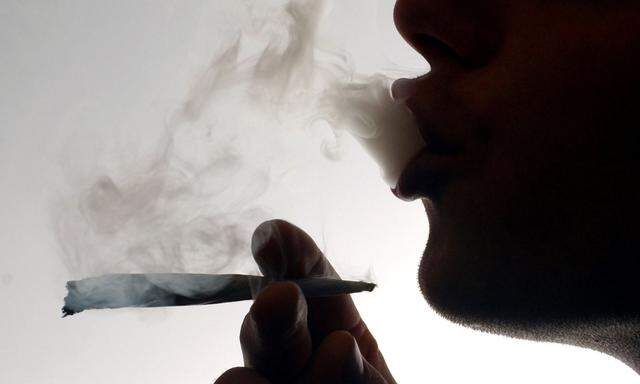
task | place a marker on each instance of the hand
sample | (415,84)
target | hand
(286,338)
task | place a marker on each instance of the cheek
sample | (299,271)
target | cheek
(560,112)
(540,182)
(557,180)
(557,183)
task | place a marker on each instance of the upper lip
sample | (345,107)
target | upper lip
(432,110)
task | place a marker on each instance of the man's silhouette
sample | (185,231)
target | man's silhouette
(530,184)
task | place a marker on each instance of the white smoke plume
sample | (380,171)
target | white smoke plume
(191,206)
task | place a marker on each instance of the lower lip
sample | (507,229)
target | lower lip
(425,174)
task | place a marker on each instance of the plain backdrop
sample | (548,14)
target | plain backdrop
(72,69)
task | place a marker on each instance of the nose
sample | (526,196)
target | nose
(451,32)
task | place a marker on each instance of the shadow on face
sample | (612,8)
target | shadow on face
(534,106)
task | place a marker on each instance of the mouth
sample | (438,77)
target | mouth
(444,154)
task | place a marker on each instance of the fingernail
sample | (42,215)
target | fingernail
(261,236)
(268,248)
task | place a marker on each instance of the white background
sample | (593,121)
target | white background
(72,68)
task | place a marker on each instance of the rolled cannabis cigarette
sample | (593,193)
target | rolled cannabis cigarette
(177,289)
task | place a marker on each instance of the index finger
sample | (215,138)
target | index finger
(284,251)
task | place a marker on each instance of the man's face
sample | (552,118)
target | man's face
(530,183)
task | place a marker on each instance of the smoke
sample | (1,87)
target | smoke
(191,202)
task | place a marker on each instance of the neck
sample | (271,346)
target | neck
(616,337)
(619,339)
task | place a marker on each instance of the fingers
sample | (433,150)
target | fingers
(274,337)
(331,314)
(284,251)
(241,375)
(338,360)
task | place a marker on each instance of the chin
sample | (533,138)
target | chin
(475,287)
(471,299)
(597,315)
(463,296)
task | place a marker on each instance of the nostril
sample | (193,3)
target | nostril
(451,33)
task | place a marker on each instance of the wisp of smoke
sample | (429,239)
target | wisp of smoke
(194,205)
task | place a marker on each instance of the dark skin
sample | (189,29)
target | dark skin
(529,183)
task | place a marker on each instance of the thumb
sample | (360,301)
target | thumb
(284,251)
